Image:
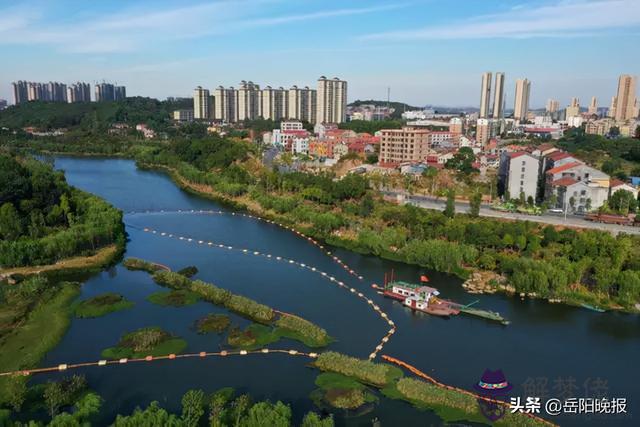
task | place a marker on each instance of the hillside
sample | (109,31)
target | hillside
(90,116)
(399,107)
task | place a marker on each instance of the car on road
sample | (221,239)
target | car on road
(556,210)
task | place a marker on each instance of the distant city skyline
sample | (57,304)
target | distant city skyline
(427,52)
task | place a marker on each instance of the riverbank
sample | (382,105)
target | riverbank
(476,279)
(101,258)
(39,333)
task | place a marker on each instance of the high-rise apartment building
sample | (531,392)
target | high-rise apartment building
(573,110)
(626,98)
(331,100)
(104,92)
(553,105)
(485,95)
(498,97)
(79,92)
(20,92)
(225,104)
(593,106)
(248,96)
(521,107)
(107,92)
(612,109)
(302,104)
(273,103)
(201,104)
(119,93)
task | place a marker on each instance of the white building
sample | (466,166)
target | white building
(201,104)
(332,100)
(291,125)
(520,171)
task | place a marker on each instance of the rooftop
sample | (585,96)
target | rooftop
(563,168)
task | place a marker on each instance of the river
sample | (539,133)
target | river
(547,351)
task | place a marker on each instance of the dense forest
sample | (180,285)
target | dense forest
(43,219)
(586,266)
(92,117)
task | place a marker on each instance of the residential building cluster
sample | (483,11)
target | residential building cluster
(547,174)
(326,104)
(326,142)
(491,122)
(24,91)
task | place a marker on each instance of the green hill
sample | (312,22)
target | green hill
(90,116)
(399,107)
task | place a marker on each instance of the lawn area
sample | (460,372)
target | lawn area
(41,331)
(217,323)
(101,305)
(151,341)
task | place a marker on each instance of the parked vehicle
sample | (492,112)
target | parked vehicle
(611,218)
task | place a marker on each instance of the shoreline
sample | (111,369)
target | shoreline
(505,289)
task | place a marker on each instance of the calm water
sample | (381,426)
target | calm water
(545,349)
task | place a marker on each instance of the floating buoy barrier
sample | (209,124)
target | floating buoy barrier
(433,381)
(220,212)
(324,274)
(123,361)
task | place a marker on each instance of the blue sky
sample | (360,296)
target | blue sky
(427,51)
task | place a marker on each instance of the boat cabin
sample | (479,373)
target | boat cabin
(420,293)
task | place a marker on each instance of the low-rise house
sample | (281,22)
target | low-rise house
(617,185)
(321,128)
(146,131)
(588,186)
(339,150)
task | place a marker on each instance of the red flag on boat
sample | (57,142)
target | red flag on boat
(424,278)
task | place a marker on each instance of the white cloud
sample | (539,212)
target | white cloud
(561,19)
(135,28)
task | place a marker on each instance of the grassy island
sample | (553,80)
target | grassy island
(152,341)
(137,264)
(276,325)
(217,323)
(101,305)
(174,298)
(342,392)
(450,405)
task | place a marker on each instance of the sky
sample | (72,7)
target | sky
(426,51)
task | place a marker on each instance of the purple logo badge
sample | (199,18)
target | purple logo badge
(494,385)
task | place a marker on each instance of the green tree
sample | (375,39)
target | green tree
(587,205)
(192,407)
(474,204)
(217,404)
(450,206)
(623,202)
(16,390)
(267,414)
(238,408)
(366,205)
(462,161)
(10,224)
(14,181)
(572,203)
(312,419)
(54,397)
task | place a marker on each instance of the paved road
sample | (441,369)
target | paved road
(547,218)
